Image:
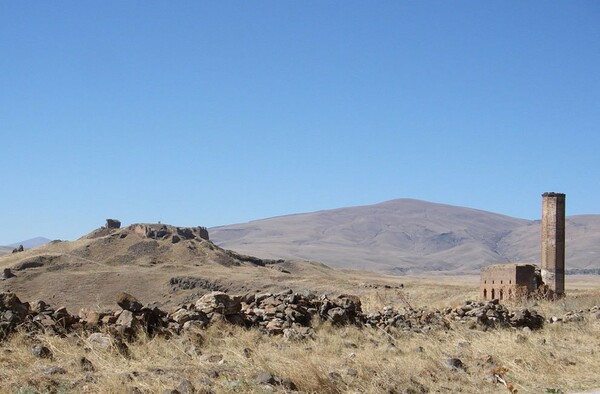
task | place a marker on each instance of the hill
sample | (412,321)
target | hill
(161,263)
(407,236)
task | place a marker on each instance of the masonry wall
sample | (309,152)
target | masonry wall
(505,282)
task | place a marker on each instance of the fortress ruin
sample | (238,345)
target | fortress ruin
(509,281)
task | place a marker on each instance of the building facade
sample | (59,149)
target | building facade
(508,281)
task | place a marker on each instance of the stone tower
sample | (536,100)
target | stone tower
(553,242)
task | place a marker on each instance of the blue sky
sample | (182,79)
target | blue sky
(212,113)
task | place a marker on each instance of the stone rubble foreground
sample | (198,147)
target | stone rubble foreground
(289,314)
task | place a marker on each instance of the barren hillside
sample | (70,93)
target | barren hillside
(157,263)
(408,236)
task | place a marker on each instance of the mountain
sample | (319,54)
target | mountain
(27,244)
(407,236)
(31,243)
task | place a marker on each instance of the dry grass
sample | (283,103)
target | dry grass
(559,358)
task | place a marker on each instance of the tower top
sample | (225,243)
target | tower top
(553,194)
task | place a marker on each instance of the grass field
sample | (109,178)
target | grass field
(560,358)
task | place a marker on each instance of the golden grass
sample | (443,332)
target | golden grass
(559,358)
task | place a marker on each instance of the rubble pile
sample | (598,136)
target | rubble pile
(494,314)
(416,320)
(271,313)
(286,313)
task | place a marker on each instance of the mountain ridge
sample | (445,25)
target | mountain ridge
(30,243)
(406,236)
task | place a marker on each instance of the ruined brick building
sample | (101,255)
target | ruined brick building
(508,281)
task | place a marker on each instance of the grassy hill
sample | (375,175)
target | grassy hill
(92,269)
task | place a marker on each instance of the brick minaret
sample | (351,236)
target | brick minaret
(553,242)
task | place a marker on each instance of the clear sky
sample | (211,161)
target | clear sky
(213,113)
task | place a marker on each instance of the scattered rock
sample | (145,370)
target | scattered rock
(86,365)
(334,376)
(520,338)
(211,358)
(265,378)
(41,351)
(53,370)
(454,363)
(98,340)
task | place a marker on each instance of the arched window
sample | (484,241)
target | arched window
(501,295)
(510,282)
(485,294)
(493,296)
(500,282)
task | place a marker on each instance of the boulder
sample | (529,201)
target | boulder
(62,317)
(183,315)
(126,320)
(128,302)
(7,273)
(98,340)
(219,302)
(10,302)
(89,317)
(338,316)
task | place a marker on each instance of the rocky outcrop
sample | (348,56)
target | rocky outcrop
(113,224)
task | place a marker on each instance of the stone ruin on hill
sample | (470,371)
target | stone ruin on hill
(113,224)
(512,281)
(157,231)
(162,231)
